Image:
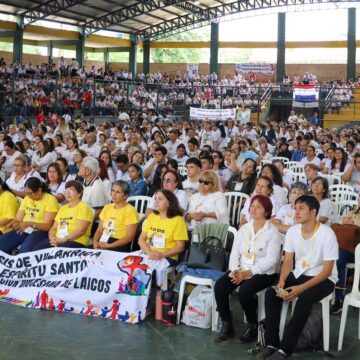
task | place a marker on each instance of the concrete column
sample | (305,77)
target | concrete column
(280,63)
(146,56)
(214,47)
(132,55)
(18,42)
(351,45)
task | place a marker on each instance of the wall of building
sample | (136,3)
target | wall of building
(322,71)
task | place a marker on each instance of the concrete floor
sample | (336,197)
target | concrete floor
(28,334)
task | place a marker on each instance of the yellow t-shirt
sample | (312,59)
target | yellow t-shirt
(8,208)
(67,221)
(116,220)
(173,229)
(35,210)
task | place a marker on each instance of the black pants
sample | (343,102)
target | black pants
(247,295)
(304,304)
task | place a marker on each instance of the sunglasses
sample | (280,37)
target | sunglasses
(205,182)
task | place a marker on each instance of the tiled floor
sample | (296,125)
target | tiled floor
(35,335)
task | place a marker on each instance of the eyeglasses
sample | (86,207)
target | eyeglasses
(215,157)
(205,182)
(168,181)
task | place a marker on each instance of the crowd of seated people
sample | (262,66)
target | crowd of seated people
(87,172)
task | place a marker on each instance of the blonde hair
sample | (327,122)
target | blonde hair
(212,176)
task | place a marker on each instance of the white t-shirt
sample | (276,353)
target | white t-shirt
(17,186)
(171,147)
(321,247)
(92,150)
(265,245)
(326,209)
(286,215)
(315,161)
(190,187)
(57,189)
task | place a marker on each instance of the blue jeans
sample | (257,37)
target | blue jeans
(11,240)
(345,257)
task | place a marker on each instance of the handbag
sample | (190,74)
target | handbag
(208,254)
(348,236)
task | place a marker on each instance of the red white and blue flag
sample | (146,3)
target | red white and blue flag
(305,96)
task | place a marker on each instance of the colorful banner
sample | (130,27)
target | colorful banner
(105,284)
(305,96)
(212,114)
(265,69)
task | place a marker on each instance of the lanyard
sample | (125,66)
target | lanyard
(252,237)
(301,250)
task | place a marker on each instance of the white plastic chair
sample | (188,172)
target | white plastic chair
(338,178)
(289,164)
(235,200)
(281,158)
(201,281)
(342,208)
(264,162)
(325,305)
(140,203)
(297,168)
(341,192)
(352,299)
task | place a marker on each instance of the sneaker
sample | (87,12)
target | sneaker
(226,331)
(336,308)
(250,334)
(265,353)
(277,355)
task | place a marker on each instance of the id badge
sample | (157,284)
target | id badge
(105,236)
(158,241)
(63,230)
(247,261)
(301,267)
(238,186)
(29,230)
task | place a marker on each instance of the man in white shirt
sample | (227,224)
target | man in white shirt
(310,157)
(94,191)
(172,144)
(13,133)
(314,248)
(122,162)
(191,184)
(91,148)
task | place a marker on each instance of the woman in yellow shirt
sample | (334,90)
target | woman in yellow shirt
(33,220)
(72,223)
(164,232)
(118,221)
(8,207)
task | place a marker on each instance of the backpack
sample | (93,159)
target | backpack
(311,336)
